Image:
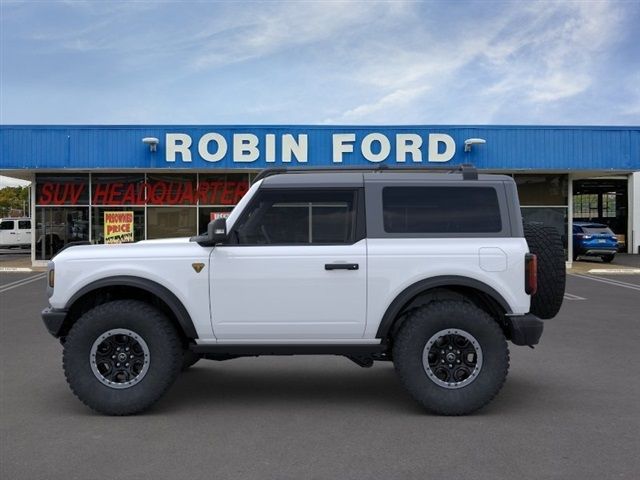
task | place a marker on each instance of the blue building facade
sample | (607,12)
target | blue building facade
(175,178)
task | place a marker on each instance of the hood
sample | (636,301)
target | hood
(166,247)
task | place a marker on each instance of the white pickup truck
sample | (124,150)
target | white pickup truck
(433,271)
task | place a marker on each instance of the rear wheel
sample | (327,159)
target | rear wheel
(451,356)
(608,258)
(120,357)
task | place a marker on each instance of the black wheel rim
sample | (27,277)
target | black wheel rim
(119,358)
(452,358)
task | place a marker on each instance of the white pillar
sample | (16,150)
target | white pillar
(633,240)
(570,221)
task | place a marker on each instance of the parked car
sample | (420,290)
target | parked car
(594,240)
(433,271)
(15,232)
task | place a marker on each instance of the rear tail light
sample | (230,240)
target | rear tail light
(530,273)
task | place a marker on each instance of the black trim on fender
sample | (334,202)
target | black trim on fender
(54,319)
(166,295)
(423,285)
(525,329)
(286,349)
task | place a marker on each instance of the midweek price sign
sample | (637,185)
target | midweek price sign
(118,227)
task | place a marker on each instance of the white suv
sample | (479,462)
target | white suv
(429,270)
(15,232)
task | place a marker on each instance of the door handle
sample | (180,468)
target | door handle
(341,266)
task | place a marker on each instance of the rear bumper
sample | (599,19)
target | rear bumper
(525,329)
(600,251)
(54,320)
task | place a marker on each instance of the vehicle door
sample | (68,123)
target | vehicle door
(294,268)
(7,233)
(24,232)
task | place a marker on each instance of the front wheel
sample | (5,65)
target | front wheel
(608,258)
(451,356)
(121,356)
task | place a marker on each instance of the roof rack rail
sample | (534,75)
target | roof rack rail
(468,170)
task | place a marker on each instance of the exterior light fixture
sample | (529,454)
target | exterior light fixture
(473,141)
(152,142)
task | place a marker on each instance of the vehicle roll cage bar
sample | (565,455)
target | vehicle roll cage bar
(468,170)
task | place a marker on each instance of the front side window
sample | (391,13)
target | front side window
(298,218)
(24,224)
(441,210)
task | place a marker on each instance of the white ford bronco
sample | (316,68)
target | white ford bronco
(432,271)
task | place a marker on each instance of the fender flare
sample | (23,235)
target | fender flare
(167,296)
(427,284)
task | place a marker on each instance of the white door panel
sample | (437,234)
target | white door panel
(286,291)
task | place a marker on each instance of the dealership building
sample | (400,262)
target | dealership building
(173,179)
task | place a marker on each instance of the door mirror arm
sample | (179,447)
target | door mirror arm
(216,234)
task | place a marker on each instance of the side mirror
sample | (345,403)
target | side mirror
(217,230)
(216,233)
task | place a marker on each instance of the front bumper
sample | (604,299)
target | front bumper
(525,329)
(54,320)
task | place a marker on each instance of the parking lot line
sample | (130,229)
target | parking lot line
(20,283)
(571,296)
(615,283)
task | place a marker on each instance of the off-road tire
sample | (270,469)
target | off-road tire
(189,359)
(165,356)
(546,244)
(608,258)
(408,350)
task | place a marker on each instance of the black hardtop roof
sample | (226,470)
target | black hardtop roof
(350,177)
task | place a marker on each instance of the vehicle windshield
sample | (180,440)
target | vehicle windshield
(597,230)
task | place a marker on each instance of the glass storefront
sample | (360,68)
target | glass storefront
(86,207)
(75,207)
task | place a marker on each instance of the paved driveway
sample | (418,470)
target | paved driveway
(570,409)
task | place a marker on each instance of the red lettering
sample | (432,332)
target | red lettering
(115,191)
(76,191)
(100,194)
(187,193)
(173,193)
(129,197)
(227,193)
(202,196)
(215,191)
(45,194)
(155,197)
(241,188)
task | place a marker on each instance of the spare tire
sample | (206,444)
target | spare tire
(546,244)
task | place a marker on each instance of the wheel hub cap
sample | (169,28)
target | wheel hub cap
(119,358)
(452,358)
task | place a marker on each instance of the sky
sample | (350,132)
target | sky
(333,62)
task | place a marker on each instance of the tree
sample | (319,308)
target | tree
(13,198)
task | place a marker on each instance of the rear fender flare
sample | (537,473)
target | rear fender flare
(412,291)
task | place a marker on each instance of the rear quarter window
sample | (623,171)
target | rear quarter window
(432,209)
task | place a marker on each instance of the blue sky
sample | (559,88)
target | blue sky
(320,62)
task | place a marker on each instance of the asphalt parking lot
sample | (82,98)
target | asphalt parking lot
(570,409)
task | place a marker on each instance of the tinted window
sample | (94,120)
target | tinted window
(598,230)
(293,217)
(441,210)
(6,225)
(24,224)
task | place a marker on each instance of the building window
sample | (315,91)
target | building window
(170,222)
(58,226)
(113,234)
